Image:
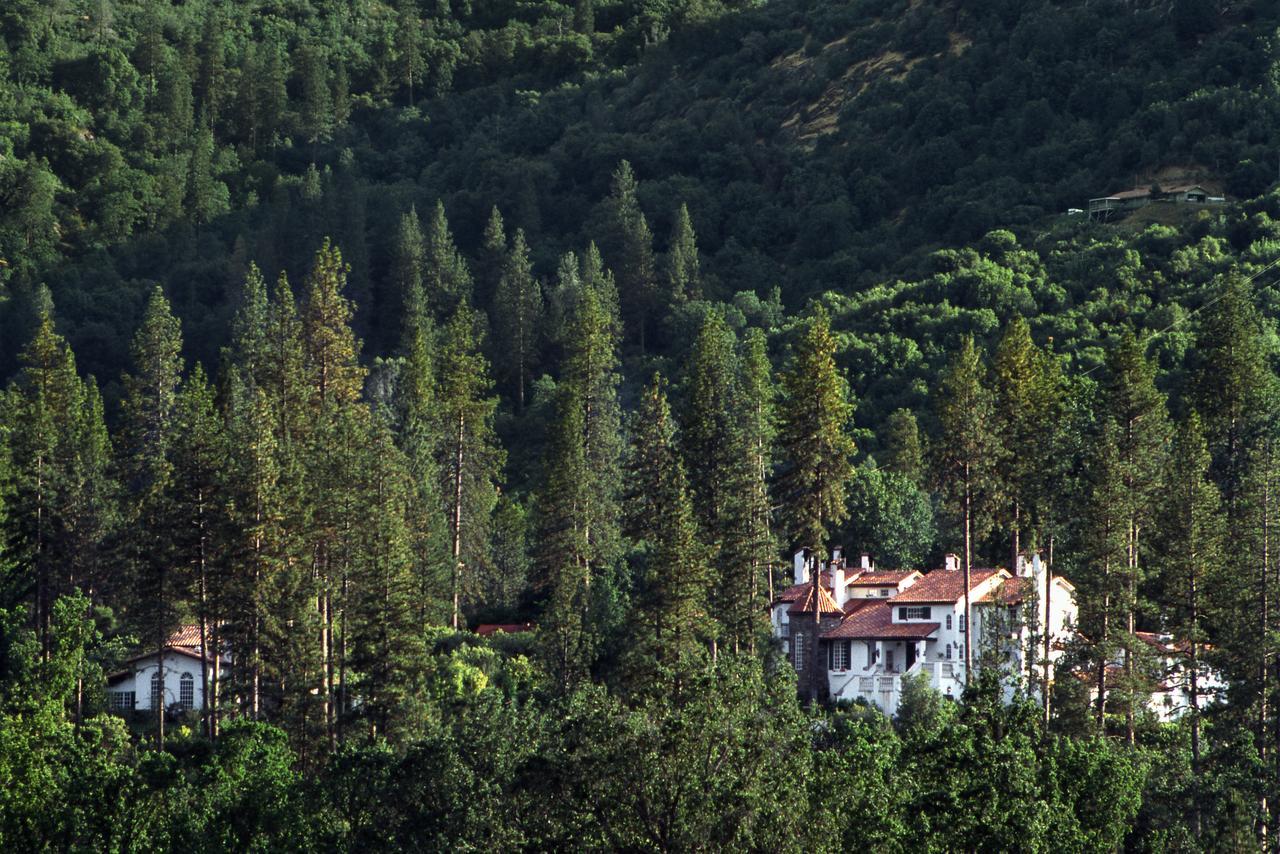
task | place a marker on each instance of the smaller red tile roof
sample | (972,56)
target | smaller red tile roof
(858,604)
(797,592)
(185,636)
(1011,592)
(825,602)
(1135,193)
(876,623)
(883,577)
(488,629)
(944,585)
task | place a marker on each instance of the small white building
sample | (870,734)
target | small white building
(138,687)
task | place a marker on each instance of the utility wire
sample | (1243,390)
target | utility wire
(1196,310)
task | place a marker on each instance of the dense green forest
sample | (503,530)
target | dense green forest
(339,327)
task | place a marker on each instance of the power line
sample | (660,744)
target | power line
(1196,310)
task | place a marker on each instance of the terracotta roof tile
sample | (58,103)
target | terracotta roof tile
(825,602)
(944,585)
(876,623)
(1011,592)
(882,577)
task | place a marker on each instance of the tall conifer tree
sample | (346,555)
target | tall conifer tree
(966,457)
(518,316)
(671,607)
(814,446)
(470,458)
(1132,400)
(148,433)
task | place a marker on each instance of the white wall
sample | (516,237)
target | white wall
(175,665)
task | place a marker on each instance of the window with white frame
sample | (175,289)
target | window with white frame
(884,593)
(948,622)
(121,701)
(914,612)
(948,652)
(155,690)
(838,655)
(187,692)
(962,622)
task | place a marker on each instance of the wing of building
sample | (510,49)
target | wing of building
(138,685)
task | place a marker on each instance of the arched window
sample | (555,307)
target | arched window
(187,692)
(948,652)
(155,690)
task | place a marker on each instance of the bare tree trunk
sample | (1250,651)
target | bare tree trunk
(1102,644)
(457,520)
(1130,626)
(1048,636)
(968,563)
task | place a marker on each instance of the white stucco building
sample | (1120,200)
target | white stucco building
(138,686)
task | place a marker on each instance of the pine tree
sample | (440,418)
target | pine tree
(1105,537)
(410,60)
(147,440)
(408,267)
(388,649)
(903,453)
(684,280)
(966,457)
(419,438)
(630,244)
(711,446)
(470,459)
(671,619)
(198,525)
(43,408)
(579,541)
(749,546)
(1132,400)
(1190,552)
(814,446)
(335,382)
(518,316)
(493,259)
(1025,410)
(447,279)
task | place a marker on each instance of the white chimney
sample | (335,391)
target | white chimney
(1021,570)
(866,562)
(838,587)
(952,563)
(837,552)
(801,566)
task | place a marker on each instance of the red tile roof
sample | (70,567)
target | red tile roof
(883,577)
(1011,592)
(487,629)
(798,591)
(944,585)
(185,636)
(876,623)
(858,604)
(825,602)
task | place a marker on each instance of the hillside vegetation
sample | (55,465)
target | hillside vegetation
(334,328)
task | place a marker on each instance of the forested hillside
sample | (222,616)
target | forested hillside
(334,329)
